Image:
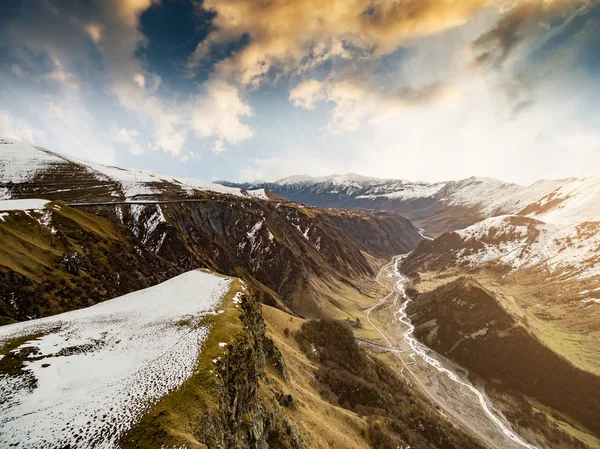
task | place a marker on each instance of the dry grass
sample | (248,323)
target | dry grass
(573,333)
(173,420)
(322,424)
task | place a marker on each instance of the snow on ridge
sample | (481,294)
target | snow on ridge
(572,251)
(19,163)
(405,190)
(253,234)
(579,201)
(500,224)
(94,371)
(347,179)
(28,204)
(489,196)
(218,188)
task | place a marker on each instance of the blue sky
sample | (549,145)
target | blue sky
(262,89)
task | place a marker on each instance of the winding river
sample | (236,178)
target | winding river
(421,351)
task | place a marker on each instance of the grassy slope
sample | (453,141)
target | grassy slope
(523,302)
(571,333)
(76,260)
(174,419)
(322,424)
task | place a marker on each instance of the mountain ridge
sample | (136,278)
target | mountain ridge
(444,206)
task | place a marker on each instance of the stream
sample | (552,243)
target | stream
(421,350)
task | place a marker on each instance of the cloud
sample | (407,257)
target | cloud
(91,49)
(67,120)
(496,46)
(61,76)
(307,94)
(217,113)
(16,129)
(356,101)
(287,35)
(129,137)
(94,31)
(507,49)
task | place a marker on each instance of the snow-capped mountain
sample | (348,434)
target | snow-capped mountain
(28,171)
(551,227)
(442,206)
(519,285)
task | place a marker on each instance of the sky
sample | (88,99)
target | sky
(244,90)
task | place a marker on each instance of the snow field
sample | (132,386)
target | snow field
(91,373)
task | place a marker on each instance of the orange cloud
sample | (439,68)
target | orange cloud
(129,10)
(285,34)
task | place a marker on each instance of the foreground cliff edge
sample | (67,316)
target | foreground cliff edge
(84,378)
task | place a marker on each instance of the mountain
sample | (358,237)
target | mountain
(94,270)
(34,172)
(516,300)
(95,219)
(436,207)
(509,288)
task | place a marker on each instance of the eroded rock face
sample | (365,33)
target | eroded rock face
(250,414)
(58,259)
(74,257)
(282,246)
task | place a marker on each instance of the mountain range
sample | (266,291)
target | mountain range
(444,206)
(301,345)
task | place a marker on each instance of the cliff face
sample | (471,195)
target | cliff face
(61,258)
(252,412)
(279,247)
(231,401)
(58,259)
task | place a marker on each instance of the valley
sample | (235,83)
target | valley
(461,397)
(299,224)
(326,349)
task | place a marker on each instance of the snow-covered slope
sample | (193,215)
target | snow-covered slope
(26,170)
(28,204)
(490,195)
(558,233)
(88,375)
(567,252)
(20,163)
(446,206)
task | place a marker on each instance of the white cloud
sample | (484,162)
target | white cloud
(218,114)
(307,94)
(16,129)
(62,76)
(356,102)
(129,138)
(140,80)
(94,31)
(71,129)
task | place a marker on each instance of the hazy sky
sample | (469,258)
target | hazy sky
(261,89)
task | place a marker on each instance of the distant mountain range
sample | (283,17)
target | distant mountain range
(445,206)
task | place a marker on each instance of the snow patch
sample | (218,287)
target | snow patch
(28,204)
(94,371)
